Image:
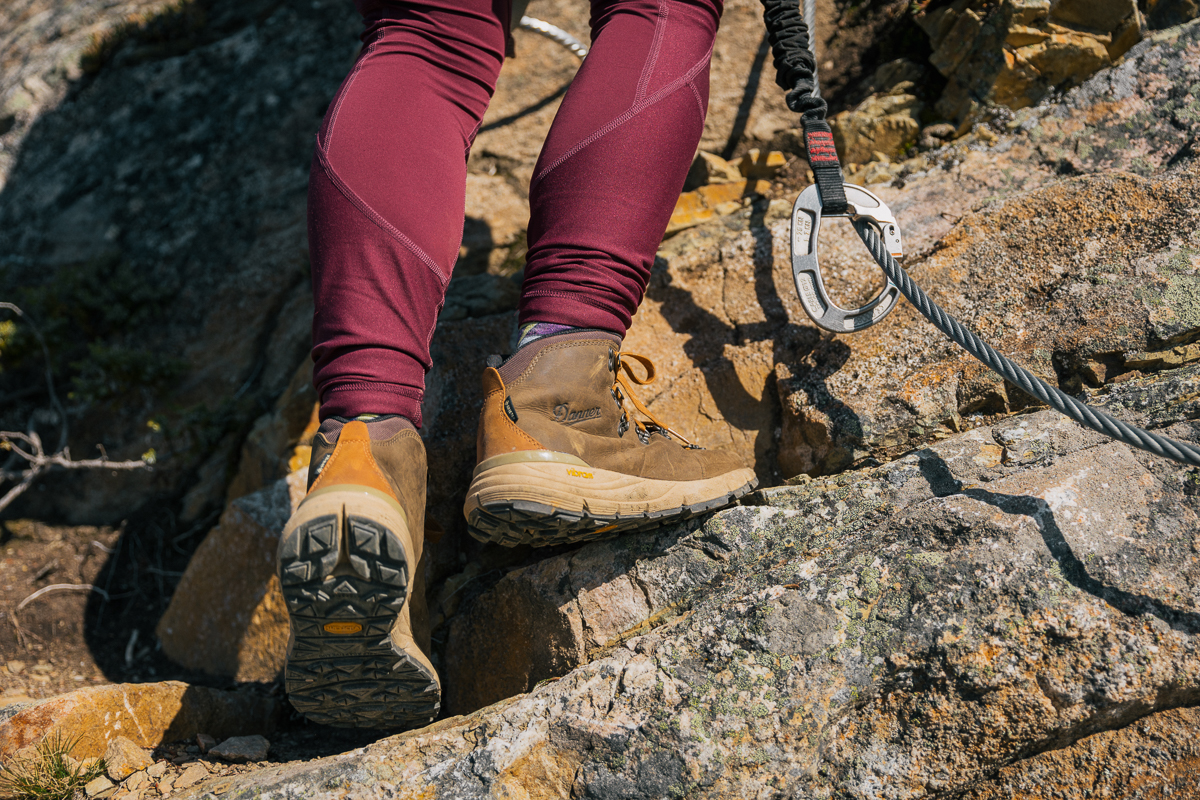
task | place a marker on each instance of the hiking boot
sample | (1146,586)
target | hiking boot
(560,461)
(350,565)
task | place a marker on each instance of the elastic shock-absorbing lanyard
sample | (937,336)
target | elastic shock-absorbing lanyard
(795,68)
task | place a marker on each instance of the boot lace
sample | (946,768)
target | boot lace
(622,390)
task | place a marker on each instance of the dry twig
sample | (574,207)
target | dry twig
(28,445)
(61,587)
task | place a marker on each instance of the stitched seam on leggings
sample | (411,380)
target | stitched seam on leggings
(471,139)
(337,107)
(390,388)
(633,111)
(375,217)
(568,296)
(699,100)
(429,337)
(660,28)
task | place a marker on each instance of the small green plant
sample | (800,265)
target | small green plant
(49,773)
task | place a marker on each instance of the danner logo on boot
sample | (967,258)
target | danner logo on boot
(563,414)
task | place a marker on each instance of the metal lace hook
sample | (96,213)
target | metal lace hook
(867,209)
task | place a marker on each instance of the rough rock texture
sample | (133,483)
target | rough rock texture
(240,749)
(881,124)
(1156,757)
(233,622)
(123,757)
(280,441)
(1015,52)
(541,621)
(146,713)
(1078,273)
(1166,13)
(903,631)
(887,122)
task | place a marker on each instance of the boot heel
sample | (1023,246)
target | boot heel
(346,569)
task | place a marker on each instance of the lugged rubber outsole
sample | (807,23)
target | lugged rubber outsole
(345,577)
(532,503)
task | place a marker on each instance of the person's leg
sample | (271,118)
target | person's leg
(385,220)
(615,161)
(559,458)
(387,195)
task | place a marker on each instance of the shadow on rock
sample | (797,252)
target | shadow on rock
(943,484)
(810,355)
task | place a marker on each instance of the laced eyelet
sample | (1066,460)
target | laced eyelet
(622,389)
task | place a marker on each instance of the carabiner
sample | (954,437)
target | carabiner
(806,226)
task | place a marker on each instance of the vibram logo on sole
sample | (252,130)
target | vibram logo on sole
(574,473)
(342,627)
(563,414)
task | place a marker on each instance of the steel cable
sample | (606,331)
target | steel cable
(555,34)
(1082,413)
(810,16)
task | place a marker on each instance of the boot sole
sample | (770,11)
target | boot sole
(345,573)
(543,503)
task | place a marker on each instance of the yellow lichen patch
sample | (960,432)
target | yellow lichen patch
(544,773)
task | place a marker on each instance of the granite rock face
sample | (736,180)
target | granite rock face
(911,630)
(1154,757)
(1014,53)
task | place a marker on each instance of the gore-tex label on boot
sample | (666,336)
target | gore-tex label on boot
(510,409)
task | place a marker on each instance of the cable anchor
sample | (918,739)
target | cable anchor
(865,210)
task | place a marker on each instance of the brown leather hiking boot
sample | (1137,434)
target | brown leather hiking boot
(350,565)
(560,462)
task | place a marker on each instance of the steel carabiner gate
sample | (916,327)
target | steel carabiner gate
(866,209)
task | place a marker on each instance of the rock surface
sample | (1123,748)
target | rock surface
(148,714)
(541,621)
(1155,757)
(903,631)
(882,125)
(122,758)
(97,786)
(240,749)
(161,200)
(1014,53)
(229,622)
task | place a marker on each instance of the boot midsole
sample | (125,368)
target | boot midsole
(566,486)
(526,456)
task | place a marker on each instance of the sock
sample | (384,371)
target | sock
(532,331)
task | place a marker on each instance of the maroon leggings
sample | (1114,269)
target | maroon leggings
(387,194)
